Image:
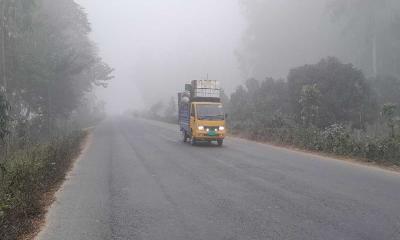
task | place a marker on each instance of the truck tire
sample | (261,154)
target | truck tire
(192,141)
(220,142)
(185,136)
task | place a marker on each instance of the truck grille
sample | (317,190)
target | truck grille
(212,129)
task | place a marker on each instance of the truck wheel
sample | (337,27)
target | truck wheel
(192,141)
(220,142)
(185,136)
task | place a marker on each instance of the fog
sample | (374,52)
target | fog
(88,90)
(284,34)
(156,46)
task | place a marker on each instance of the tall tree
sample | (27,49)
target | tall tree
(387,89)
(310,98)
(389,114)
(15,19)
(345,95)
(48,63)
(4,117)
(375,25)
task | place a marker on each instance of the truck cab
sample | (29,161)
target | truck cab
(207,122)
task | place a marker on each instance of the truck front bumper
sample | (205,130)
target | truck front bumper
(206,137)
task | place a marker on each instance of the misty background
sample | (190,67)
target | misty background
(156,46)
(317,75)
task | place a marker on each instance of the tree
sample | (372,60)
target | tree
(171,110)
(49,60)
(389,114)
(387,89)
(225,100)
(240,108)
(375,25)
(310,101)
(15,19)
(259,105)
(345,94)
(4,117)
(156,108)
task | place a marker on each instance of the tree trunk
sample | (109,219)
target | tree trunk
(3,48)
(49,111)
(374,57)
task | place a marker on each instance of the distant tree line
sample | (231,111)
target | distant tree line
(328,106)
(160,111)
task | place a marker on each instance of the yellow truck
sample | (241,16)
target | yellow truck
(201,113)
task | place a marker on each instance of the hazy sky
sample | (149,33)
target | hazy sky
(283,34)
(158,45)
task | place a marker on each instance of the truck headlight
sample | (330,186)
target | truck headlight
(201,128)
(221,128)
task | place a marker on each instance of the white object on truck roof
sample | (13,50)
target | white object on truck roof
(206,93)
(206,89)
(208,84)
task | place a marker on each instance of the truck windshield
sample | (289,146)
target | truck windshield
(210,112)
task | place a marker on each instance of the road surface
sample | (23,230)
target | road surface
(137,180)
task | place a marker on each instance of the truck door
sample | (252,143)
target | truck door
(192,117)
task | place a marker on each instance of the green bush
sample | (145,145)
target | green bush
(335,139)
(26,175)
(319,107)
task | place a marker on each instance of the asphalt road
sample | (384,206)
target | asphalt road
(137,180)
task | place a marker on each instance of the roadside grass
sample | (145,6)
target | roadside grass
(26,175)
(339,144)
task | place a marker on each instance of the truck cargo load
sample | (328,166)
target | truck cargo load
(205,90)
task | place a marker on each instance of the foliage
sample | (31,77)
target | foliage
(389,114)
(26,175)
(310,104)
(386,88)
(48,69)
(346,94)
(50,64)
(319,108)
(4,117)
(364,32)
(374,25)
(160,111)
(262,104)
